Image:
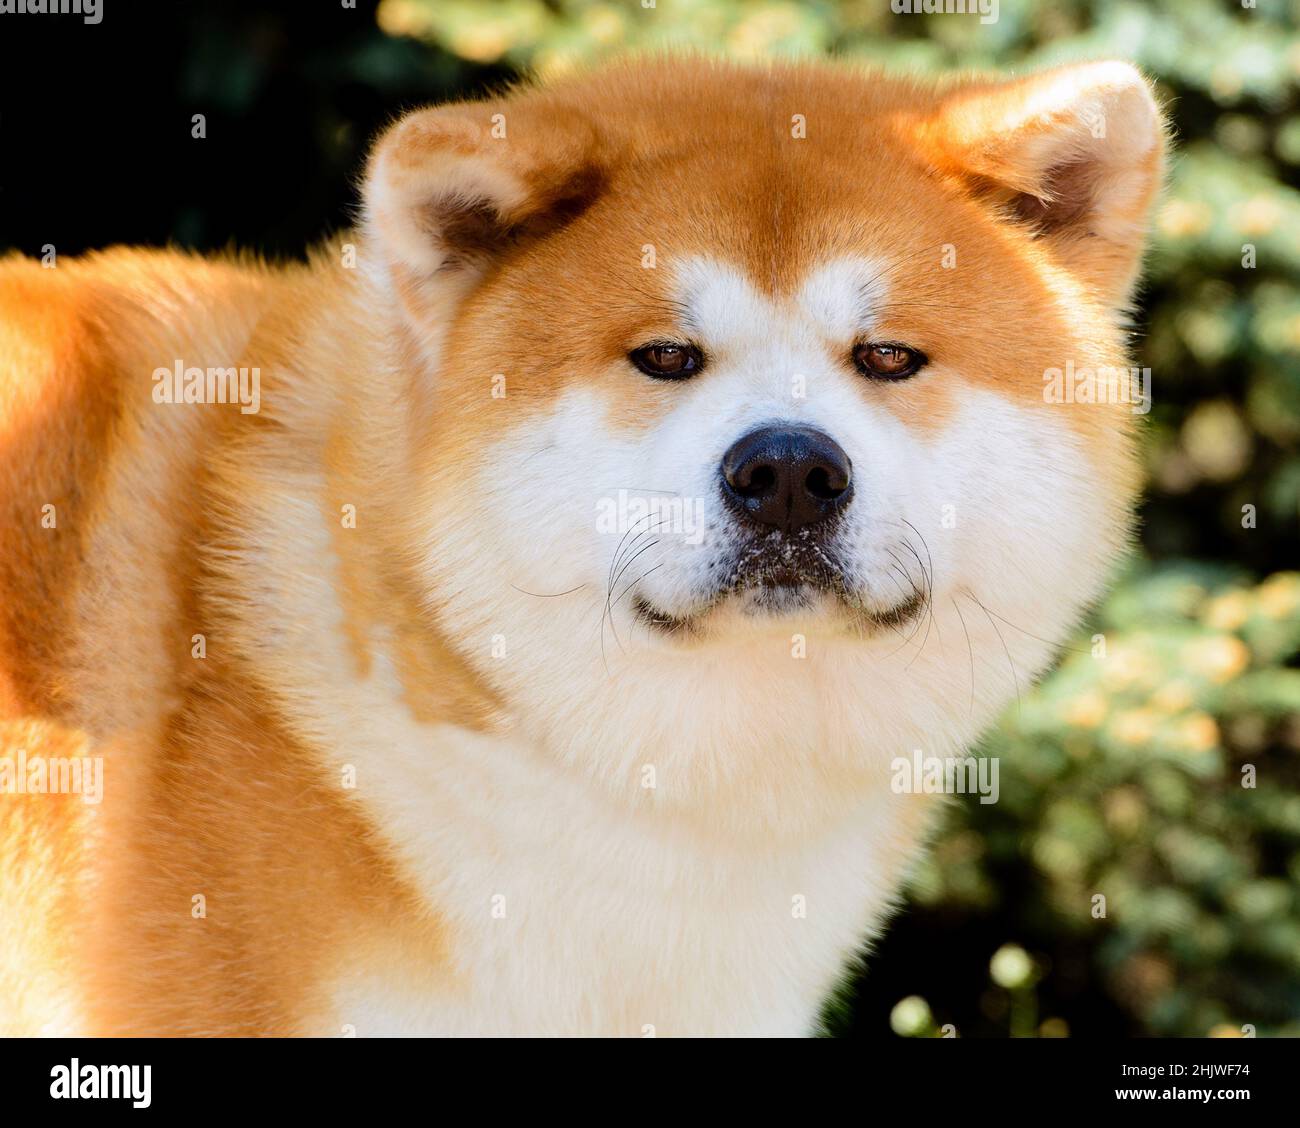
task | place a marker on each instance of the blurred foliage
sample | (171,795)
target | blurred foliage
(1159,765)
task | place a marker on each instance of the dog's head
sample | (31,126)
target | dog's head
(719,356)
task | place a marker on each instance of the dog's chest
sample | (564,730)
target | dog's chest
(540,946)
(562,914)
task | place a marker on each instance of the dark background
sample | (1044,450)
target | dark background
(96,121)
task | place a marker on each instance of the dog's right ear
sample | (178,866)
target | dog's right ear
(450,191)
(1073,155)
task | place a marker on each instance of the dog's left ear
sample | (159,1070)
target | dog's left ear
(453,191)
(1074,154)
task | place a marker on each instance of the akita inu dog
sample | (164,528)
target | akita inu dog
(521,641)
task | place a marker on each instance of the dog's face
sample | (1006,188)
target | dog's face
(731,356)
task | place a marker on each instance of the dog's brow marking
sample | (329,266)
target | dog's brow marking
(840,298)
(720,300)
(843,297)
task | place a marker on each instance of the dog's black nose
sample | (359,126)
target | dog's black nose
(787,477)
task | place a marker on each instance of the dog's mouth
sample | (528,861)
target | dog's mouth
(776,577)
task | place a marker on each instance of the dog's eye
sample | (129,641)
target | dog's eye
(887,362)
(667,361)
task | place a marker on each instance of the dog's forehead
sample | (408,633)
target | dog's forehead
(838,298)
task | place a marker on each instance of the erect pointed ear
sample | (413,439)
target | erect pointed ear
(1075,154)
(450,191)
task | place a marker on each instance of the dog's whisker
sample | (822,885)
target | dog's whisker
(970,650)
(929,578)
(616,560)
(548,594)
(1005,649)
(639,578)
(609,607)
(902,571)
(619,547)
(1037,638)
(927,593)
(617,568)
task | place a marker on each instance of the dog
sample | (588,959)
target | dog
(505,621)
